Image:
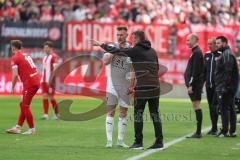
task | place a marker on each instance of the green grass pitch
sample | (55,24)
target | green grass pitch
(61,140)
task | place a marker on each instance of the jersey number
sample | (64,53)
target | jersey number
(120,63)
(30,61)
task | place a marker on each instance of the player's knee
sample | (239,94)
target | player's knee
(123,112)
(122,115)
(111,112)
(196,105)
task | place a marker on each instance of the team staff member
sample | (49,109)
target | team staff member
(226,82)
(194,77)
(146,67)
(209,68)
(237,96)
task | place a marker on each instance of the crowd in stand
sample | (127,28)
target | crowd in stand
(141,11)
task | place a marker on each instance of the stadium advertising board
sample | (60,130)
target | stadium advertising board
(33,34)
(204,32)
(78,34)
(81,76)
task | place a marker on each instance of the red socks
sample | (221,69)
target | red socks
(25,114)
(54,105)
(45,106)
(29,117)
(21,117)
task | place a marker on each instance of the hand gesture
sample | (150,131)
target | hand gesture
(94,42)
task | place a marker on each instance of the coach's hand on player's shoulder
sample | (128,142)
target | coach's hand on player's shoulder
(94,42)
(190,91)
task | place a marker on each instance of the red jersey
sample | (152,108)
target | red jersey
(48,66)
(27,70)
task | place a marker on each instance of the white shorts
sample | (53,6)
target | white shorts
(118,95)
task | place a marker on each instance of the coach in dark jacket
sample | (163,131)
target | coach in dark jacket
(209,68)
(146,67)
(194,76)
(226,82)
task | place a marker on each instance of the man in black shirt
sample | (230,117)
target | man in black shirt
(226,82)
(146,67)
(194,76)
(209,68)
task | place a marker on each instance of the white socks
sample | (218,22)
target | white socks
(109,127)
(122,124)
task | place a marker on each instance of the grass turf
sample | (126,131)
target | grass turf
(86,140)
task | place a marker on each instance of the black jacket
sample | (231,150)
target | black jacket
(194,73)
(145,63)
(226,72)
(209,68)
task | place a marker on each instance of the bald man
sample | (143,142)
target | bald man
(209,69)
(194,77)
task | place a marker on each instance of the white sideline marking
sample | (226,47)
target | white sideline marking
(166,145)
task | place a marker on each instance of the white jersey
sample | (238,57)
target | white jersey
(48,66)
(118,73)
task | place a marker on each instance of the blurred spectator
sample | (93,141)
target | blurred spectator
(46,13)
(143,17)
(58,16)
(33,18)
(142,11)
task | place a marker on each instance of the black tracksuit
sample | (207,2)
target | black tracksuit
(226,82)
(146,67)
(209,68)
(194,77)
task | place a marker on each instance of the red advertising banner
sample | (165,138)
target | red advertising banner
(78,35)
(204,32)
(79,76)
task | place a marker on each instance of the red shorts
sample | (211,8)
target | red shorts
(48,89)
(28,93)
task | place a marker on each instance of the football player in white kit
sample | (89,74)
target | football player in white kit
(120,84)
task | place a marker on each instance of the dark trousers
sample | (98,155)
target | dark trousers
(139,106)
(228,111)
(213,106)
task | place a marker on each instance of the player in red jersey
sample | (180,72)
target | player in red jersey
(48,90)
(23,66)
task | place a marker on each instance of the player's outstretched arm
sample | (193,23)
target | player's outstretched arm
(114,49)
(95,42)
(14,77)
